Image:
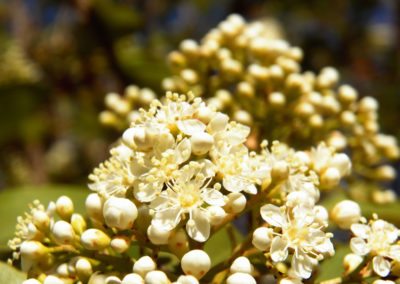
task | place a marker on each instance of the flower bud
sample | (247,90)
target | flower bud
(321,215)
(345,213)
(144,265)
(276,99)
(187,279)
(240,278)
(241,264)
(348,118)
(245,89)
(381,281)
(63,232)
(94,207)
(368,104)
(94,239)
(262,238)
(132,278)
(201,143)
(156,277)
(217,214)
(51,279)
(236,202)
(196,263)
(119,213)
(384,196)
(218,122)
(64,207)
(351,261)
(158,236)
(342,163)
(330,177)
(112,280)
(189,47)
(279,171)
(31,281)
(83,269)
(78,223)
(178,242)
(385,173)
(204,114)
(120,244)
(41,220)
(243,117)
(347,94)
(127,137)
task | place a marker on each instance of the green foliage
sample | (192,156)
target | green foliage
(10,275)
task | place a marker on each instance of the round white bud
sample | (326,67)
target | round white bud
(144,265)
(132,278)
(280,170)
(241,264)
(128,136)
(119,213)
(83,268)
(321,215)
(216,213)
(204,114)
(240,278)
(201,143)
(187,279)
(342,163)
(51,279)
(146,96)
(94,207)
(243,117)
(189,47)
(64,207)
(120,244)
(31,281)
(112,280)
(178,242)
(345,213)
(347,94)
(236,202)
(189,76)
(368,104)
(156,277)
(41,220)
(385,173)
(276,99)
(196,263)
(158,236)
(218,122)
(32,249)
(94,239)
(262,238)
(78,223)
(63,232)
(330,177)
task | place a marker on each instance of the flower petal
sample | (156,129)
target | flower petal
(198,227)
(146,192)
(381,266)
(191,126)
(273,215)
(361,231)
(213,197)
(302,265)
(183,151)
(279,251)
(394,252)
(167,219)
(359,246)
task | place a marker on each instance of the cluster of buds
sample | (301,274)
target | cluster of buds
(258,81)
(122,110)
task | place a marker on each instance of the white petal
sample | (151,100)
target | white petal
(360,230)
(167,219)
(218,123)
(279,250)
(302,265)
(233,183)
(198,227)
(251,188)
(273,215)
(381,266)
(191,126)
(183,151)
(394,252)
(359,246)
(146,192)
(213,197)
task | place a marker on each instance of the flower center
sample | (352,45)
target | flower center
(188,198)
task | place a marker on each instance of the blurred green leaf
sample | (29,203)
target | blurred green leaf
(10,275)
(219,247)
(14,202)
(332,267)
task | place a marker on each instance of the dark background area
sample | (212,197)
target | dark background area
(58,59)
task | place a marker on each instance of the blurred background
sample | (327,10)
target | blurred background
(58,59)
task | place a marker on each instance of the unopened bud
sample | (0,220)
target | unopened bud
(63,232)
(351,261)
(189,76)
(262,238)
(112,280)
(342,163)
(144,265)
(83,269)
(243,117)
(241,264)
(78,223)
(347,94)
(217,214)
(94,239)
(218,123)
(120,244)
(158,236)
(236,203)
(41,220)
(245,89)
(94,207)
(368,104)
(51,279)
(279,171)
(178,243)
(119,213)
(385,173)
(187,279)
(240,278)
(196,263)
(64,207)
(31,281)
(346,213)
(201,143)
(156,277)
(330,177)
(132,278)
(276,99)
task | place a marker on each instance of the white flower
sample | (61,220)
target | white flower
(376,239)
(300,232)
(185,194)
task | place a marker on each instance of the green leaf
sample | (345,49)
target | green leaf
(10,275)
(332,267)
(219,247)
(14,202)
